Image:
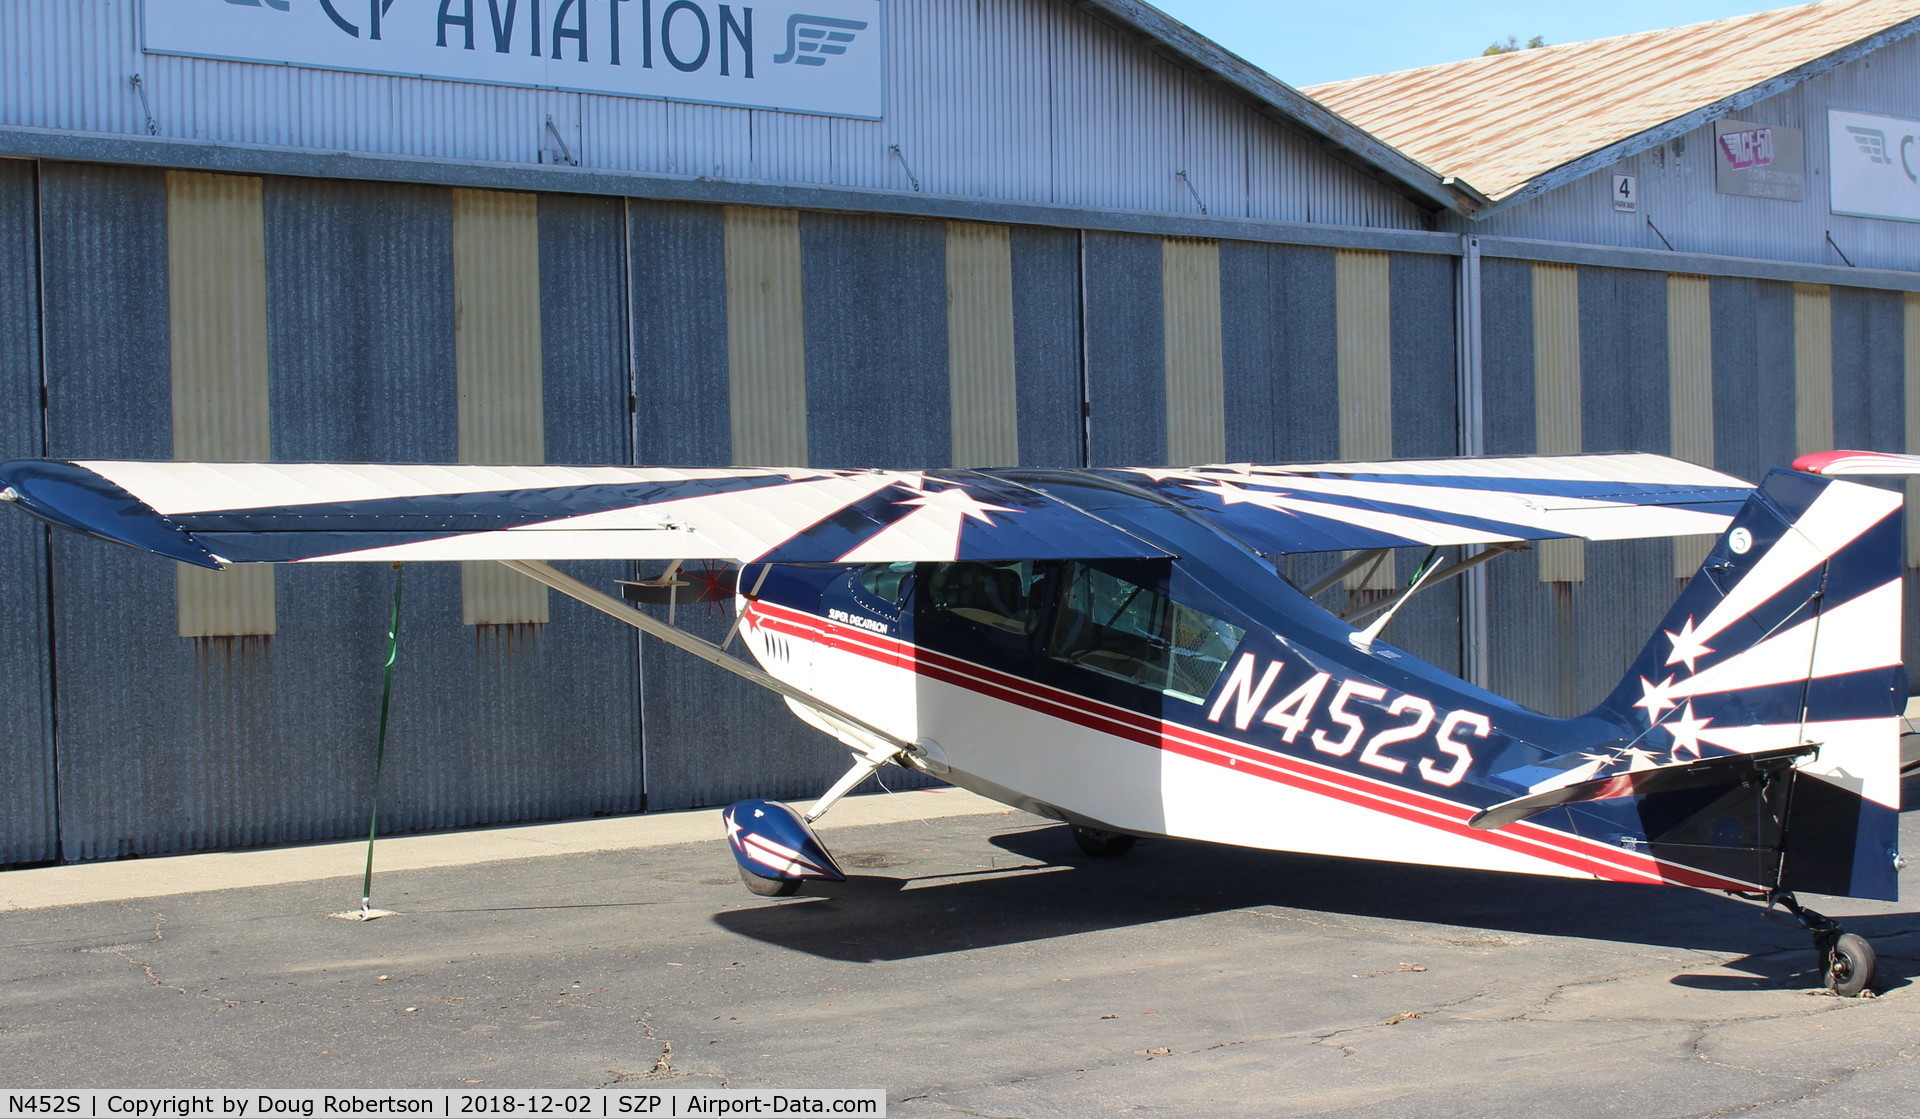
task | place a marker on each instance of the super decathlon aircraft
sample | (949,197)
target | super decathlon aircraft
(1118,648)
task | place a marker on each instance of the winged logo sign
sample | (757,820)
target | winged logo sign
(1874,165)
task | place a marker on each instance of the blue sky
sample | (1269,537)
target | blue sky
(1303,42)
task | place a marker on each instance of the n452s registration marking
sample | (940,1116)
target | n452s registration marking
(1340,728)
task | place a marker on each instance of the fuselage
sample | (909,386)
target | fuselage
(1203,697)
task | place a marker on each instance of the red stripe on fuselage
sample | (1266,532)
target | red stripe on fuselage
(1572,852)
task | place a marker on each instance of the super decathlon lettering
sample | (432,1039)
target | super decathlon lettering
(1342,724)
(847,619)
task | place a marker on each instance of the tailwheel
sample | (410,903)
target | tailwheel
(770,887)
(1100,842)
(1849,965)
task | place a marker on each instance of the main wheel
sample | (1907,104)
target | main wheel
(770,887)
(1849,965)
(1100,842)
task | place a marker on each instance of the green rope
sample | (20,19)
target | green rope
(380,751)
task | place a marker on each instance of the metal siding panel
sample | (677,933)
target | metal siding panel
(1279,352)
(217,329)
(1910,337)
(27,822)
(983,410)
(709,736)
(1753,384)
(1047,339)
(998,99)
(677,277)
(1126,380)
(766,337)
(1869,404)
(876,341)
(587,389)
(105,319)
(490,725)
(1425,425)
(1556,400)
(1624,388)
(1690,393)
(1678,194)
(1190,299)
(496,345)
(1363,313)
(1812,368)
(1521,664)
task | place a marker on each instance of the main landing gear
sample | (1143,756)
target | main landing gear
(776,846)
(1101,843)
(1845,958)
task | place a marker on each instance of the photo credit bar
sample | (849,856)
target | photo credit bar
(601,1103)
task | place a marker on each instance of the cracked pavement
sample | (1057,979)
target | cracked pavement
(980,966)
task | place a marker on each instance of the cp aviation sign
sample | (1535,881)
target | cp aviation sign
(804,56)
(1875,165)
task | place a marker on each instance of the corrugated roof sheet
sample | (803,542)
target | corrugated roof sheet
(1499,122)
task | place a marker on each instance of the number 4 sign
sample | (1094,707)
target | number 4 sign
(1626,194)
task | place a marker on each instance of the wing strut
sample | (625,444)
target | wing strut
(871,738)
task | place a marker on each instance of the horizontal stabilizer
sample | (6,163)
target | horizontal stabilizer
(1726,770)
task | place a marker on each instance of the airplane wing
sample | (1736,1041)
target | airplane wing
(213,514)
(1282,510)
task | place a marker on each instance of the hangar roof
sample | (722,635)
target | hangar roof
(1516,124)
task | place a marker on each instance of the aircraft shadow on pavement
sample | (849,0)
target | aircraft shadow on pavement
(1060,892)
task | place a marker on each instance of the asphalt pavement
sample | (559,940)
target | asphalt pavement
(975,965)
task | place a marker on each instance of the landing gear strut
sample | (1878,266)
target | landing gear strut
(1846,959)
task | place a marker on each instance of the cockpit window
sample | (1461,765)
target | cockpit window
(888,582)
(1111,626)
(1008,597)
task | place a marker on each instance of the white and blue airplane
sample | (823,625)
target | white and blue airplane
(1119,649)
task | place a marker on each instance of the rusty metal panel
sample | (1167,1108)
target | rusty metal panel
(497,311)
(27,821)
(1195,370)
(217,327)
(878,391)
(984,407)
(766,337)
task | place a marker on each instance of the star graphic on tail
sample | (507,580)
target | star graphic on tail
(1687,645)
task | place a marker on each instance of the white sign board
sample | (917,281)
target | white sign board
(1874,165)
(803,56)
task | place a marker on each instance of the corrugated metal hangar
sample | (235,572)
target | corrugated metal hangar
(889,233)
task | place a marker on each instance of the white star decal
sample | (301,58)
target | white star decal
(1686,646)
(957,502)
(1656,698)
(1686,734)
(1636,758)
